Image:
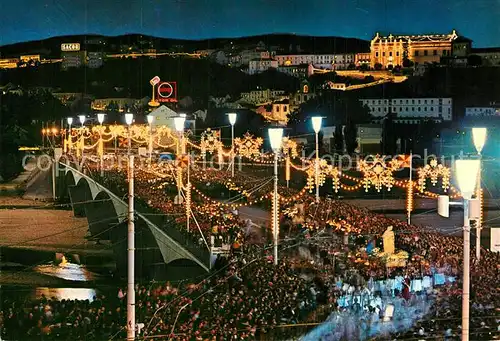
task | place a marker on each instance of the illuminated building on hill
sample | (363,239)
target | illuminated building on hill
(391,50)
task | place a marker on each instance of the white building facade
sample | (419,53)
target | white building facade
(482,112)
(334,61)
(260,65)
(411,110)
(262,96)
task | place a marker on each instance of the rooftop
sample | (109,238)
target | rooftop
(421,37)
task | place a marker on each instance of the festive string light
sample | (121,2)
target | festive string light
(378,173)
(433,171)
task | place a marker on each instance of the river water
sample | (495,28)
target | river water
(28,274)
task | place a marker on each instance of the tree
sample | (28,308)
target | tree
(364,67)
(351,135)
(474,60)
(389,135)
(377,66)
(338,139)
(407,63)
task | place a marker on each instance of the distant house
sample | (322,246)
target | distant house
(277,112)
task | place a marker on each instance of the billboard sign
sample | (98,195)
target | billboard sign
(70,47)
(167,92)
(155,80)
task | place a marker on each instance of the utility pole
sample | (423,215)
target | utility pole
(131,253)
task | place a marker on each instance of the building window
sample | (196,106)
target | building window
(416,53)
(390,54)
(397,53)
(425,52)
(419,109)
(435,52)
(425,101)
(406,109)
(440,109)
(383,54)
(425,109)
(376,54)
(285,108)
(432,108)
(277,108)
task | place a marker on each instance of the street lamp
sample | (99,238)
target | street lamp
(179,122)
(316,122)
(82,138)
(232,120)
(100,118)
(479,138)
(466,173)
(129,118)
(275,138)
(69,120)
(150,119)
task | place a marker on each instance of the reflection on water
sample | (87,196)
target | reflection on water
(66,293)
(67,271)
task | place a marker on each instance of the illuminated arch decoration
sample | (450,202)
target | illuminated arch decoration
(164,138)
(433,171)
(378,173)
(139,133)
(248,146)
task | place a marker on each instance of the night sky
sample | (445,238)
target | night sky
(196,19)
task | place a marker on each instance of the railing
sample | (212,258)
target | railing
(165,224)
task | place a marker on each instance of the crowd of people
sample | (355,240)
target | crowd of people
(247,297)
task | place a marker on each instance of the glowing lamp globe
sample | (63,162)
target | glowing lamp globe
(129,118)
(69,120)
(466,172)
(316,122)
(100,117)
(232,118)
(275,138)
(179,123)
(150,118)
(82,119)
(479,138)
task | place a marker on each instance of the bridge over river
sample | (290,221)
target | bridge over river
(162,250)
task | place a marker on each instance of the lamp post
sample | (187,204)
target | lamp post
(150,118)
(316,122)
(275,137)
(179,122)
(129,118)
(69,120)
(82,138)
(479,138)
(466,173)
(131,253)
(232,120)
(100,118)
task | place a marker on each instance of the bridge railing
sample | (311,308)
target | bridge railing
(164,222)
